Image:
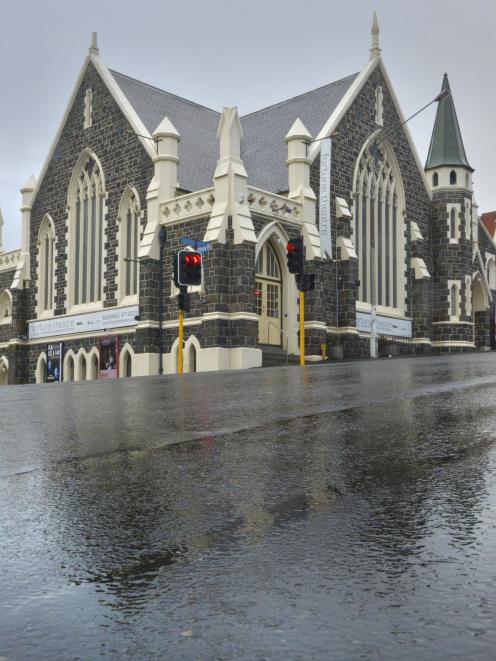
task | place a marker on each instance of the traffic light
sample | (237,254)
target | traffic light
(183,302)
(187,268)
(296,258)
(306,281)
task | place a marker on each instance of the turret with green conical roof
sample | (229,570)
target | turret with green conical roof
(446,148)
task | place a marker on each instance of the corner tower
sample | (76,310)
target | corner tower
(450,178)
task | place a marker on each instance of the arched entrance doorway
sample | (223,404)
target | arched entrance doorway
(269,296)
(481,314)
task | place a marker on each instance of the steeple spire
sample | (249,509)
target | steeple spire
(446,146)
(375,50)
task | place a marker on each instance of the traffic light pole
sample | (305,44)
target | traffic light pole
(302,328)
(181,342)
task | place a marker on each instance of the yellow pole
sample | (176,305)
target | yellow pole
(180,348)
(302,328)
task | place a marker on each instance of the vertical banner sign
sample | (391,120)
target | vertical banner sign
(325,198)
(54,363)
(109,357)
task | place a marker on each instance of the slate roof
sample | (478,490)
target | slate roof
(263,149)
(446,146)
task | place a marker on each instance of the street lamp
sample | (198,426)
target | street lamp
(162,237)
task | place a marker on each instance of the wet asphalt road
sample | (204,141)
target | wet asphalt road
(335,512)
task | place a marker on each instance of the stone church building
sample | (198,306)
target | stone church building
(409,255)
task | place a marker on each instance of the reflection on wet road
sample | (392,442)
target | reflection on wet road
(335,512)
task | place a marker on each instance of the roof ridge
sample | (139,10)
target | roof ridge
(298,96)
(176,96)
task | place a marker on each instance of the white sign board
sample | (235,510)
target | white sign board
(325,198)
(384,325)
(83,323)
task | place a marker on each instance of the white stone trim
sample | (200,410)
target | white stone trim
(468,295)
(448,343)
(278,237)
(452,323)
(69,354)
(10,260)
(88,109)
(457,209)
(454,316)
(129,194)
(5,306)
(127,349)
(468,219)
(70,257)
(216,358)
(40,372)
(45,314)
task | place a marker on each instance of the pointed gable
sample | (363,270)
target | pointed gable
(446,146)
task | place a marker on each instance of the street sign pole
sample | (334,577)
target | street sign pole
(302,328)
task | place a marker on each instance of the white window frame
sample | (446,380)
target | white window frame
(44,269)
(389,234)
(456,208)
(88,109)
(454,315)
(75,289)
(6,306)
(130,202)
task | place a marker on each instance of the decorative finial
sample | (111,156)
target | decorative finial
(375,51)
(93,50)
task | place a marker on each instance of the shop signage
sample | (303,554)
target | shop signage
(109,318)
(384,325)
(325,198)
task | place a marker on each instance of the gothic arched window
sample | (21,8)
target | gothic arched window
(435,179)
(452,177)
(378,231)
(6,307)
(129,226)
(86,209)
(46,266)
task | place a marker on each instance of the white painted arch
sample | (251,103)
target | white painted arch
(4,370)
(41,364)
(278,238)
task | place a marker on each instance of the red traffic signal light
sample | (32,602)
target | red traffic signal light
(187,268)
(296,259)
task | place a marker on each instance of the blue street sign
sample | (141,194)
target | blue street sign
(201,246)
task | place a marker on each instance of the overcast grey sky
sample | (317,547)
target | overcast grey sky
(250,54)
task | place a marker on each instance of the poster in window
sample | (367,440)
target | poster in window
(54,363)
(109,357)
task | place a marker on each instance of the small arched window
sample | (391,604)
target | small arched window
(452,178)
(453,224)
(435,179)
(129,217)
(467,180)
(491,273)
(454,301)
(46,266)
(6,307)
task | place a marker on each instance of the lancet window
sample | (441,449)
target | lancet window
(46,266)
(86,232)
(378,228)
(129,224)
